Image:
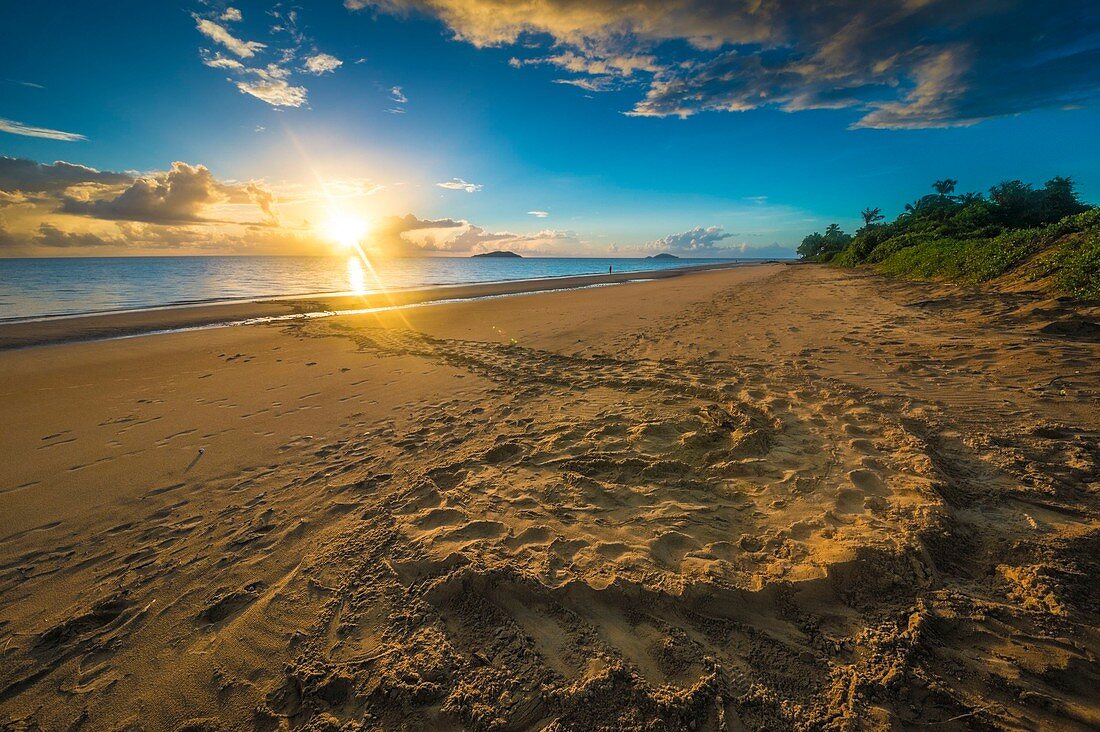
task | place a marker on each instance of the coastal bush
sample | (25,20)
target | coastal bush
(1045,235)
(1078,270)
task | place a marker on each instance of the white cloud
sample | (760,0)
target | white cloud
(218,34)
(217,61)
(231,15)
(595,84)
(694,240)
(276,92)
(18,128)
(398,98)
(539,214)
(322,63)
(477,239)
(457,184)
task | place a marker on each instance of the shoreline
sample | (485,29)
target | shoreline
(79,327)
(229,299)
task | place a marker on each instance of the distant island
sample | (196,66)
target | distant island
(663,256)
(506,255)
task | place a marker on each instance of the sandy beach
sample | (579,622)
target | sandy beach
(768,497)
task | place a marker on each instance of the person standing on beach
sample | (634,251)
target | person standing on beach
(609,268)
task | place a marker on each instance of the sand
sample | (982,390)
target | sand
(776,497)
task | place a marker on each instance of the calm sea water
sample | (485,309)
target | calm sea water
(34,287)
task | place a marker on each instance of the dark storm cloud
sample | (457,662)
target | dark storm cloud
(899,63)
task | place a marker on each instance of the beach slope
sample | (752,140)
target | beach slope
(772,497)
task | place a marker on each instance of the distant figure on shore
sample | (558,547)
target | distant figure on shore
(609,268)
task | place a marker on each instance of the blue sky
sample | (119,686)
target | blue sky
(656,161)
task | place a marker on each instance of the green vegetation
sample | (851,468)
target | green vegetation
(1040,235)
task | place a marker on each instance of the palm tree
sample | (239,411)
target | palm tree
(945,187)
(871,216)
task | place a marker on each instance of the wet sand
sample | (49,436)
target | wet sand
(772,497)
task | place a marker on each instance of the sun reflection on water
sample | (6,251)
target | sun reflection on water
(357,276)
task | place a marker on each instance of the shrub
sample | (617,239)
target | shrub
(971,239)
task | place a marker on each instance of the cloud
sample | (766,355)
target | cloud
(550,242)
(697,240)
(457,184)
(50,236)
(270,85)
(218,34)
(20,82)
(940,83)
(322,63)
(388,236)
(538,214)
(292,52)
(895,63)
(18,128)
(264,199)
(217,61)
(18,174)
(180,195)
(594,84)
(397,96)
(409,235)
(127,238)
(474,239)
(267,83)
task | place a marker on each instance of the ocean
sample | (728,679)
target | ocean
(43,287)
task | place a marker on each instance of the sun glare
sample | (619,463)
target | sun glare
(347,231)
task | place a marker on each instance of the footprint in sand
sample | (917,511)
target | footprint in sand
(669,549)
(477,530)
(531,535)
(863,445)
(438,517)
(850,500)
(867,481)
(611,549)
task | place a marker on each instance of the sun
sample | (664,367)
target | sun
(346,230)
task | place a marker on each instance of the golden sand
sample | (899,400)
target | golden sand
(776,497)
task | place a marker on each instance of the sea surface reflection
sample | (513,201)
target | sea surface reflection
(34,287)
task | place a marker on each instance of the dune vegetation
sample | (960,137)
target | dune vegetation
(1044,238)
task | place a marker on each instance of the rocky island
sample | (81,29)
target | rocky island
(501,254)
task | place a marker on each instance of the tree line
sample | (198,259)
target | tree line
(1009,205)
